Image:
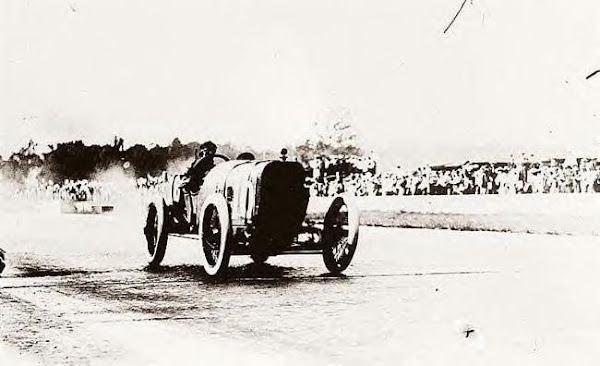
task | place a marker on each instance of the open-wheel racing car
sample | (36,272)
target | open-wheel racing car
(251,207)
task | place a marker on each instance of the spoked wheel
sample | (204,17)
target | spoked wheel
(156,232)
(340,234)
(214,235)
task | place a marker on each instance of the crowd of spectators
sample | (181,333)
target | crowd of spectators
(100,191)
(335,175)
(152,186)
(330,175)
(68,190)
(358,175)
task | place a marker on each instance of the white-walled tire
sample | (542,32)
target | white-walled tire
(340,234)
(156,232)
(215,235)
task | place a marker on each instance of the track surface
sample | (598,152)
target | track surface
(77,292)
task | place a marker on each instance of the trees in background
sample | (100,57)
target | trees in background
(21,163)
(76,160)
(337,138)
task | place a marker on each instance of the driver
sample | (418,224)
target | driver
(204,162)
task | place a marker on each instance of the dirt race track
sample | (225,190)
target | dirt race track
(77,292)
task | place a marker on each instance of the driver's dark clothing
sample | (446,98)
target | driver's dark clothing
(197,172)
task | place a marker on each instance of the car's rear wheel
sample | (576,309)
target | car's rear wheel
(156,232)
(215,235)
(340,234)
(176,189)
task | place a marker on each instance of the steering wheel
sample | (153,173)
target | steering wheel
(222,157)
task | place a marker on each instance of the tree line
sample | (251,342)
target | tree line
(77,160)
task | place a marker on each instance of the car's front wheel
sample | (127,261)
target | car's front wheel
(340,234)
(215,235)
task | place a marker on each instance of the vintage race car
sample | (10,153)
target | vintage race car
(256,208)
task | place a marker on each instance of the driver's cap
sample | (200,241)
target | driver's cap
(209,145)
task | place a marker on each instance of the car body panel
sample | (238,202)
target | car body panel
(265,197)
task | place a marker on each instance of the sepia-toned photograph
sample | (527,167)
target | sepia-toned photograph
(285,182)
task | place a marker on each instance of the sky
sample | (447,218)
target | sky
(508,77)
